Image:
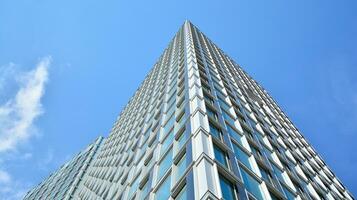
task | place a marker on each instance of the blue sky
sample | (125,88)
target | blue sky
(68,67)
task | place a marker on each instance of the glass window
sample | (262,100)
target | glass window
(228,118)
(215,131)
(134,187)
(248,133)
(221,156)
(277,172)
(241,156)
(267,152)
(163,193)
(223,104)
(206,88)
(257,153)
(169,124)
(145,190)
(171,100)
(170,110)
(170,121)
(288,194)
(234,134)
(251,184)
(209,99)
(165,164)
(167,142)
(273,196)
(218,87)
(181,141)
(266,175)
(182,195)
(181,120)
(251,122)
(212,113)
(181,167)
(149,161)
(260,138)
(228,191)
(299,188)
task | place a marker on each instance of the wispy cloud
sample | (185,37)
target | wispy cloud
(6,72)
(4,177)
(18,111)
(18,114)
(11,189)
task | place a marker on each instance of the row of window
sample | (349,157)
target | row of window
(59,183)
(227,117)
(149,124)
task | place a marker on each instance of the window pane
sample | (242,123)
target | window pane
(209,99)
(181,141)
(181,122)
(134,187)
(228,118)
(181,167)
(278,172)
(220,156)
(182,195)
(223,104)
(242,156)
(167,142)
(234,134)
(251,184)
(163,193)
(273,197)
(211,113)
(215,131)
(266,175)
(288,194)
(251,122)
(145,190)
(165,164)
(169,125)
(256,153)
(267,152)
(260,138)
(227,189)
(171,110)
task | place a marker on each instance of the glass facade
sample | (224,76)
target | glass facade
(228,191)
(163,193)
(252,185)
(63,183)
(221,156)
(199,127)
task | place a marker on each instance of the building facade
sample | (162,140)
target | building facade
(63,183)
(199,127)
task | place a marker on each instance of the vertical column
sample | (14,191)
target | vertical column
(204,174)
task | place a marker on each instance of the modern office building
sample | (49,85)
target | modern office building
(63,183)
(199,127)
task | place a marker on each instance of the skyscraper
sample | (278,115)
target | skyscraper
(199,127)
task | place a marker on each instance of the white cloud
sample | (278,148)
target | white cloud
(17,114)
(4,177)
(27,156)
(11,189)
(6,72)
